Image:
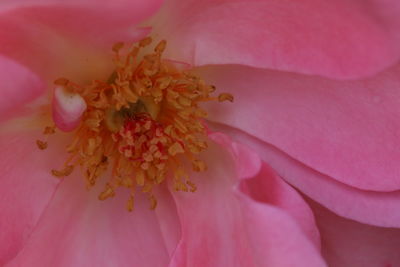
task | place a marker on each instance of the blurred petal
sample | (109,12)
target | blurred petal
(70,37)
(341,39)
(348,243)
(223,226)
(90,232)
(18,87)
(26,187)
(346,130)
(84,18)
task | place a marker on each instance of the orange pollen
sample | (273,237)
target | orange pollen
(144,124)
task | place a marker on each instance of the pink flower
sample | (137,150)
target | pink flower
(335,140)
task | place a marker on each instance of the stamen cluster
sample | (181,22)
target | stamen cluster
(144,124)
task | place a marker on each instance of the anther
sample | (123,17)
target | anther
(199,165)
(140,177)
(117,46)
(41,144)
(160,47)
(176,148)
(64,172)
(130,203)
(61,81)
(145,42)
(153,202)
(107,193)
(225,97)
(192,186)
(49,130)
(212,88)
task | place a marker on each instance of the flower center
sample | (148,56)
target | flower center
(144,124)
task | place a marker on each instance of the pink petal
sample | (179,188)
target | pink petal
(348,243)
(26,187)
(79,230)
(346,130)
(70,38)
(168,219)
(221,226)
(370,207)
(248,164)
(89,20)
(284,197)
(341,39)
(67,109)
(250,167)
(18,87)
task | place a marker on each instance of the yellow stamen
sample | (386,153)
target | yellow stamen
(64,172)
(41,144)
(61,81)
(130,203)
(49,130)
(144,122)
(225,97)
(108,192)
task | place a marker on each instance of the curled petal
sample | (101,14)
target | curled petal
(224,225)
(349,243)
(261,183)
(348,130)
(365,206)
(67,109)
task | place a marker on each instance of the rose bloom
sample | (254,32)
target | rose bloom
(300,170)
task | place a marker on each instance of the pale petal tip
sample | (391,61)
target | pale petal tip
(68,108)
